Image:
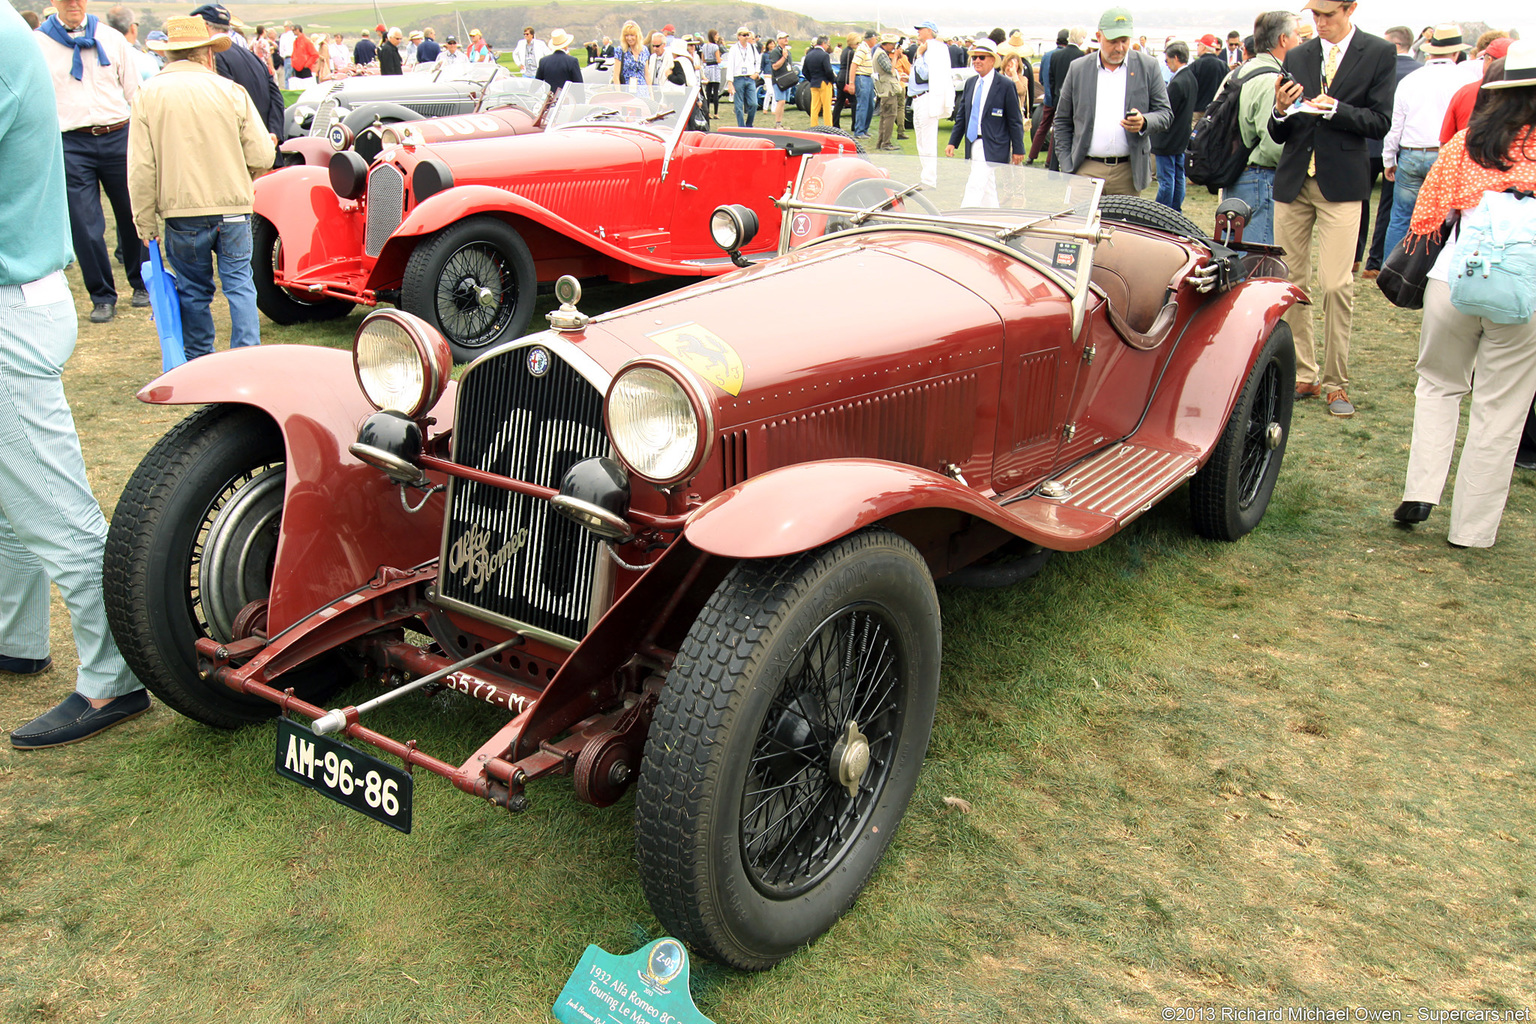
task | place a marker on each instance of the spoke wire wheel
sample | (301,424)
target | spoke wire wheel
(236,548)
(798,819)
(476,293)
(786,744)
(1260,439)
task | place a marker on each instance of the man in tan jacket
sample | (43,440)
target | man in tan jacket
(195,143)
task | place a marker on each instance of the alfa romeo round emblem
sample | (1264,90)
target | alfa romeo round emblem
(338,136)
(538,360)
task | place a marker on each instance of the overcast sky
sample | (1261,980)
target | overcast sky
(1154,21)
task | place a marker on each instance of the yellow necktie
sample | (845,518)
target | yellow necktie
(1330,69)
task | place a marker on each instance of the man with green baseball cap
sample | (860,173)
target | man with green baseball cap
(1111,104)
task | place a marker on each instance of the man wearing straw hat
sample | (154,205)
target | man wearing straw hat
(559,68)
(1418,108)
(195,144)
(988,120)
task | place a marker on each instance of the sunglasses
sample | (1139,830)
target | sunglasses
(981,57)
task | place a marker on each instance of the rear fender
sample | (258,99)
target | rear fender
(1215,354)
(310,151)
(796,508)
(342,519)
(549,235)
(314,223)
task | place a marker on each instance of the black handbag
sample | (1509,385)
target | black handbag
(786,76)
(1406,268)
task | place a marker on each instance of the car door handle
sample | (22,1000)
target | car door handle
(690,188)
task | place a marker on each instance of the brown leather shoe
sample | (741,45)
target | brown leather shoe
(1371,275)
(1308,390)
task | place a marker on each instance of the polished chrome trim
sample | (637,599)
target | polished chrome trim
(565,643)
(593,371)
(698,396)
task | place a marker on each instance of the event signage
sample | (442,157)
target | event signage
(649,986)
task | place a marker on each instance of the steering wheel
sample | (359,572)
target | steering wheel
(627,104)
(867,192)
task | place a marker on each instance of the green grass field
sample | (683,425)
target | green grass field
(1294,771)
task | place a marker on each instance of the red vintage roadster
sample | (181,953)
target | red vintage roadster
(687,550)
(461,231)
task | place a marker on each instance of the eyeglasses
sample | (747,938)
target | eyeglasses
(981,56)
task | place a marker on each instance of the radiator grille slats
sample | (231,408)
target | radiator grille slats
(323,116)
(505,553)
(386,206)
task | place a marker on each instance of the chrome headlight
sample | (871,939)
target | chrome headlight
(732,226)
(658,421)
(402,363)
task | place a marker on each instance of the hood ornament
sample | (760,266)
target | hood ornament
(568,317)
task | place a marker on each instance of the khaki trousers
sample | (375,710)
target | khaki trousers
(1337,226)
(1117,178)
(1497,364)
(821,105)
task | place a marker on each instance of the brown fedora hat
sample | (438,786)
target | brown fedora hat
(188,34)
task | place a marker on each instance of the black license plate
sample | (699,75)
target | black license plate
(346,775)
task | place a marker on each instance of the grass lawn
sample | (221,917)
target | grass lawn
(1294,771)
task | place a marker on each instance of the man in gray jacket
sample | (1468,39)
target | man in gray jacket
(1116,79)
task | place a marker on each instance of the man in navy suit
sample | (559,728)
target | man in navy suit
(1348,79)
(995,121)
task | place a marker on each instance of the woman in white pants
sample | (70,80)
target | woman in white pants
(1458,353)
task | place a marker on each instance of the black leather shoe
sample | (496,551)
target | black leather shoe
(75,720)
(24,666)
(102,312)
(140,298)
(1410,512)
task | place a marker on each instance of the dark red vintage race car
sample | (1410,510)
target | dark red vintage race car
(462,232)
(687,550)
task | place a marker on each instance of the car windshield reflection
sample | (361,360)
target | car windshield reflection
(660,109)
(527,94)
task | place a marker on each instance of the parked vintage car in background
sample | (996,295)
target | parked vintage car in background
(426,91)
(688,549)
(462,232)
(508,105)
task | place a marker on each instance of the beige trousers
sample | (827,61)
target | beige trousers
(1117,178)
(1337,226)
(1497,364)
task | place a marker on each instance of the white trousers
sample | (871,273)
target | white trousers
(926,111)
(1497,364)
(981,186)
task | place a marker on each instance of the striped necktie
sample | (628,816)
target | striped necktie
(1330,69)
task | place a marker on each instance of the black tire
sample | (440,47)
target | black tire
(446,272)
(823,129)
(755,709)
(213,483)
(279,304)
(803,97)
(1149,214)
(1228,496)
(1528,433)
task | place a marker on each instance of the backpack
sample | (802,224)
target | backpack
(1493,266)
(1216,156)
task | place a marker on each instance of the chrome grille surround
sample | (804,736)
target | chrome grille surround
(386,206)
(537,571)
(321,122)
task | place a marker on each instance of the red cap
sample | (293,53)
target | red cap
(379,29)
(1498,48)
(1209,40)
(668,29)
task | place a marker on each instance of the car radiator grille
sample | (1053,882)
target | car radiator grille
(509,557)
(322,119)
(386,206)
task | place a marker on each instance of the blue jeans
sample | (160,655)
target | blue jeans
(1170,181)
(863,103)
(190,244)
(745,100)
(1412,167)
(51,526)
(1256,187)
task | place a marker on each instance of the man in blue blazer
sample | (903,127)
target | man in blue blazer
(1116,150)
(996,122)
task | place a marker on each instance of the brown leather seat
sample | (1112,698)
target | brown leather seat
(1138,275)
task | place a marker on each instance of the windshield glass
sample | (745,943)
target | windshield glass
(529,94)
(1027,208)
(463,72)
(661,109)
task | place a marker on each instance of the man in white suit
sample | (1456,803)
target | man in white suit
(933,96)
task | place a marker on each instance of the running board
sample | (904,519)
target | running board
(1097,497)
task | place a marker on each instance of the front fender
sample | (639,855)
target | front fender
(312,152)
(342,520)
(314,223)
(796,508)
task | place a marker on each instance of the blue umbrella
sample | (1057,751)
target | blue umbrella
(165,308)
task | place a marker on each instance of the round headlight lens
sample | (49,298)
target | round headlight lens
(724,229)
(401,364)
(653,424)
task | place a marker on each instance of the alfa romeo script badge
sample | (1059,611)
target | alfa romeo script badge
(538,360)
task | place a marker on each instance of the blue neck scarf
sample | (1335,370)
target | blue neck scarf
(55,30)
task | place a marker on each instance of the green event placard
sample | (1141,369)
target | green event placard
(649,986)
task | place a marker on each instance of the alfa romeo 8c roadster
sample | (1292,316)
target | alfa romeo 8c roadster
(459,223)
(685,550)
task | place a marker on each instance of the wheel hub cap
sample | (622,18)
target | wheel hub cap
(1273,435)
(850,759)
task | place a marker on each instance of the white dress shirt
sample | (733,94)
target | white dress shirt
(1108,137)
(743,60)
(1419,107)
(103,95)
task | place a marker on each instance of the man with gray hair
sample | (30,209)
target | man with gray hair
(1274,35)
(391,60)
(122,19)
